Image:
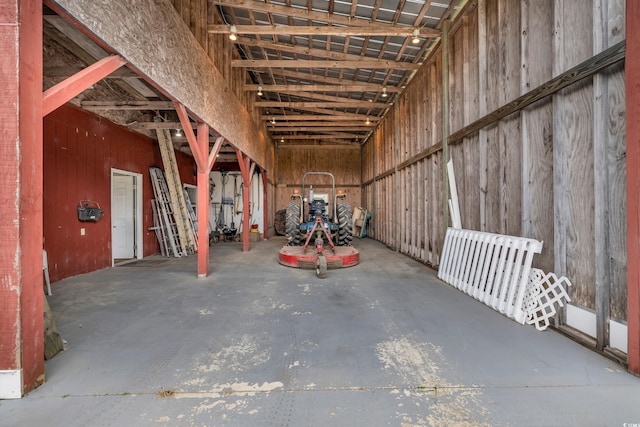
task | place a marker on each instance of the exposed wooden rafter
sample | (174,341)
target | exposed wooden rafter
(371,87)
(287,63)
(323,30)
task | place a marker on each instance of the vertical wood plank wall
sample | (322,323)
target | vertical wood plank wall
(554,171)
(293,161)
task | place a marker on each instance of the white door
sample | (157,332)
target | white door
(122,217)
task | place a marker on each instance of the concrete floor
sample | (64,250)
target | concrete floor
(259,344)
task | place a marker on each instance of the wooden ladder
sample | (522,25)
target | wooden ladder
(180,212)
(164,219)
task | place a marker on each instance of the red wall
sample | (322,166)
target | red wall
(80,149)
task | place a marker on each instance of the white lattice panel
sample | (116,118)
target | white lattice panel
(544,291)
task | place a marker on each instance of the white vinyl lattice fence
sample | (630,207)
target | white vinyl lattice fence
(496,270)
(492,268)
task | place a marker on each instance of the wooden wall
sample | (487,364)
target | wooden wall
(80,149)
(553,170)
(405,197)
(293,161)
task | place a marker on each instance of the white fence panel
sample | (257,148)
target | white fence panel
(492,268)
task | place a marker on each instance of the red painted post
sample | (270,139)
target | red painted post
(246,225)
(21,293)
(632,73)
(9,202)
(203,203)
(31,189)
(265,205)
(244,163)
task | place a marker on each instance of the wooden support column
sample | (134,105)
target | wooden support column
(396,179)
(445,124)
(71,87)
(202,205)
(205,160)
(245,164)
(632,71)
(21,293)
(265,205)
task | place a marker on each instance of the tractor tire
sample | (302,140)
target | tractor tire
(321,267)
(345,225)
(280,222)
(293,224)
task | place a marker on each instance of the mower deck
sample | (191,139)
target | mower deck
(293,256)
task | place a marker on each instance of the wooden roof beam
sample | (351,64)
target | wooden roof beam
(127,105)
(328,124)
(330,114)
(318,117)
(290,63)
(278,129)
(322,88)
(332,104)
(325,30)
(337,135)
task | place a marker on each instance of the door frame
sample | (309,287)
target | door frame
(137,197)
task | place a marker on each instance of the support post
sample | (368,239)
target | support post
(446,25)
(199,145)
(245,164)
(396,177)
(203,204)
(21,279)
(632,73)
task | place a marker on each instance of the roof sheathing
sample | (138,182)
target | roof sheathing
(350,49)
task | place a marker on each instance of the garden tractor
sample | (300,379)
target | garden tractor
(319,219)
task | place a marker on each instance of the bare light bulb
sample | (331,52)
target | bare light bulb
(416,39)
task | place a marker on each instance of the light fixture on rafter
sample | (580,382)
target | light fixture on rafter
(234,33)
(178,132)
(368,122)
(259,90)
(416,39)
(384,92)
(273,120)
(281,139)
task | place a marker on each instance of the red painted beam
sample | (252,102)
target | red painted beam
(73,86)
(632,73)
(198,154)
